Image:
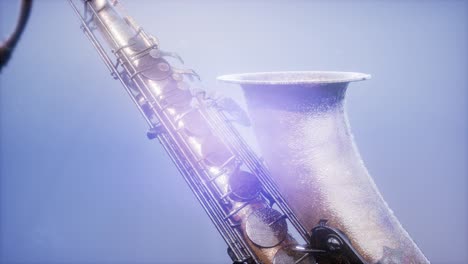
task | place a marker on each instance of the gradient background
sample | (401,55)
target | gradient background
(80,183)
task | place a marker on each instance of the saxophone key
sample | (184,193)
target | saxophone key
(259,230)
(214,153)
(153,69)
(244,186)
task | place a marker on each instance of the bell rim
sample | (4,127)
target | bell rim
(293,77)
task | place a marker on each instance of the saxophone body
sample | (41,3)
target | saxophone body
(218,166)
(280,218)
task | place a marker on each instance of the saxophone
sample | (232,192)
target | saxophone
(260,221)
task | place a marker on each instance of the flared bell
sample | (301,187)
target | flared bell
(304,136)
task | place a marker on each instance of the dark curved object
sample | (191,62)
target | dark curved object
(6,48)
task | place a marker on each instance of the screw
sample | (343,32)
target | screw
(333,243)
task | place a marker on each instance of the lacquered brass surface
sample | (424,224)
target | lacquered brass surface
(304,136)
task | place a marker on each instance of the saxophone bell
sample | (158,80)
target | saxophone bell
(303,133)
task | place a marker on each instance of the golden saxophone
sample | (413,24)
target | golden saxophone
(318,206)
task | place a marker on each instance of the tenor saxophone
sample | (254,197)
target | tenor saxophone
(232,184)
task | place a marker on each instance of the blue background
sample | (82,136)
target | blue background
(80,183)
